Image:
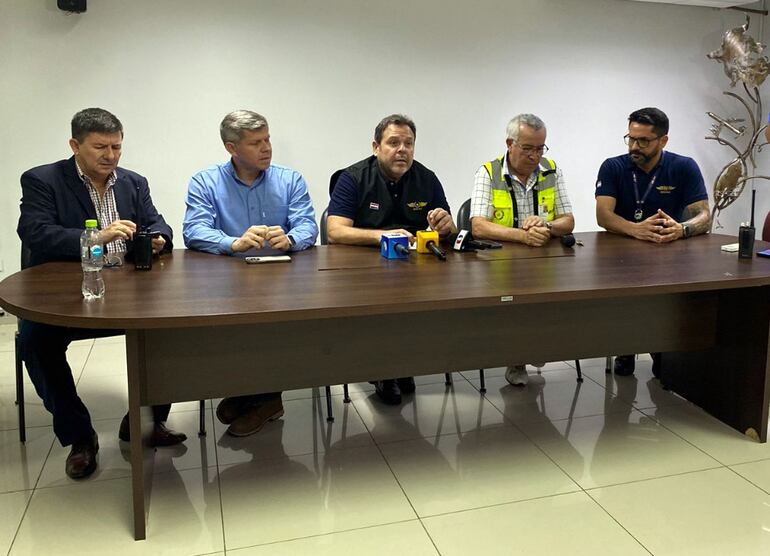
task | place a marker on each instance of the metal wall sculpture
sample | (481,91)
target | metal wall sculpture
(743,62)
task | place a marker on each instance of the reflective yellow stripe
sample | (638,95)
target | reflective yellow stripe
(488,166)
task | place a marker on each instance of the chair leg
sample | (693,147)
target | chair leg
(330,417)
(202,417)
(579,374)
(20,390)
(483,388)
(608,365)
(346,396)
(448,379)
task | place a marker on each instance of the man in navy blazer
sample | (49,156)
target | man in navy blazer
(55,205)
(56,201)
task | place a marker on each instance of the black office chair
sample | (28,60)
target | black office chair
(464,216)
(464,223)
(20,387)
(26,256)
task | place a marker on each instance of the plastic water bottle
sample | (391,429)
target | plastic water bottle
(92,260)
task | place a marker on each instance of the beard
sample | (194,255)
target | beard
(639,158)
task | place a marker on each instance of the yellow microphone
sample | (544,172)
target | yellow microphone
(427,242)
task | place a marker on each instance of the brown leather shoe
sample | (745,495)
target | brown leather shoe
(81,461)
(255,418)
(161,435)
(229,409)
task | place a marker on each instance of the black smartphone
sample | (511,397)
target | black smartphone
(490,244)
(765,253)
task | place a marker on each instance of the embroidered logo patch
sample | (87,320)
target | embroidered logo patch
(417,205)
(374,206)
(665,189)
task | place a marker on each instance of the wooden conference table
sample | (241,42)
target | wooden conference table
(203,326)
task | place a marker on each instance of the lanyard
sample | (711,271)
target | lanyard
(639,212)
(512,193)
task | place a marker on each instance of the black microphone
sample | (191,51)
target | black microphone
(140,247)
(401,249)
(427,241)
(568,240)
(463,241)
(436,250)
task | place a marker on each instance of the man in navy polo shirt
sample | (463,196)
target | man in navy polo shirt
(651,195)
(387,191)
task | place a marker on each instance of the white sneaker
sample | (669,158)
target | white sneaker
(517,375)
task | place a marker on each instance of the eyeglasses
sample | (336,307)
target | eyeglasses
(643,142)
(529,149)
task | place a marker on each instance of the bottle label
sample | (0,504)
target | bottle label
(96,251)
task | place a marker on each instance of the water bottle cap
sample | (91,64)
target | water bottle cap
(91,223)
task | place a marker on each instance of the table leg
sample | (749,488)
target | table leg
(140,421)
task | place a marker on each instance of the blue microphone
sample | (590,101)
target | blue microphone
(394,246)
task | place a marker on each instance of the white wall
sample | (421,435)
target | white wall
(325,71)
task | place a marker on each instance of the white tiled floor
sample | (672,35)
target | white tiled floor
(613,466)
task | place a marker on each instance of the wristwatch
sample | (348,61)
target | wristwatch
(549,225)
(685,230)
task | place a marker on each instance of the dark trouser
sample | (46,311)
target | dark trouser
(44,348)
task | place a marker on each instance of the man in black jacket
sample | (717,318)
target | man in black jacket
(56,201)
(388,191)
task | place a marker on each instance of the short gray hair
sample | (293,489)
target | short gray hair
(235,123)
(529,120)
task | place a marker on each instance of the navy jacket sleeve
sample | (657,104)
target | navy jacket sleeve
(149,218)
(48,229)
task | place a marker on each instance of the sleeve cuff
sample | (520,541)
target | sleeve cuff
(226,245)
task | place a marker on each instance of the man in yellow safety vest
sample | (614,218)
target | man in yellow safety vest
(521,197)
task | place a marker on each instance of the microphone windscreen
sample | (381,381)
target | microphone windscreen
(460,240)
(424,237)
(388,243)
(568,240)
(401,249)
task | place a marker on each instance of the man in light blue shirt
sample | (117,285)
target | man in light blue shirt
(248,203)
